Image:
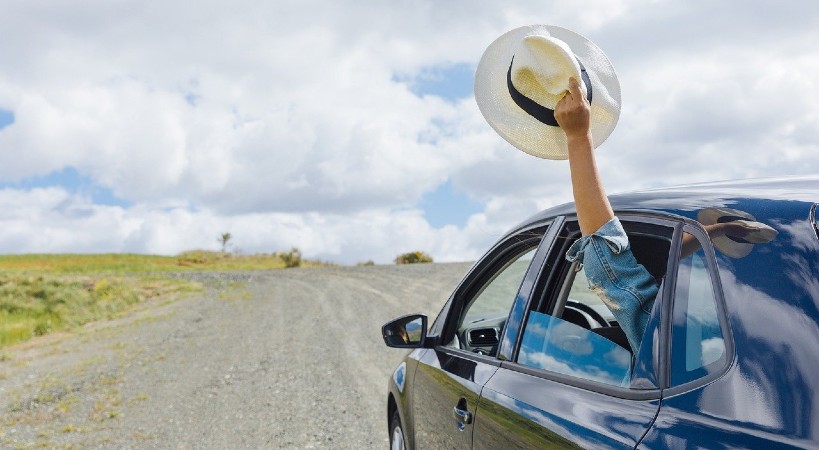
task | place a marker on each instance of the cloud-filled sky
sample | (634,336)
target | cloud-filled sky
(349,129)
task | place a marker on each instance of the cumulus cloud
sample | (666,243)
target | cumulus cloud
(294,123)
(46,220)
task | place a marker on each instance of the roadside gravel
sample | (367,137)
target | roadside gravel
(275,359)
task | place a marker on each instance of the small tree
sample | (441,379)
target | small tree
(224,238)
(413,258)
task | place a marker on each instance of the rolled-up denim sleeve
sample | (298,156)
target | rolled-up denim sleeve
(624,285)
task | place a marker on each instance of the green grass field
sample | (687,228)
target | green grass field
(40,294)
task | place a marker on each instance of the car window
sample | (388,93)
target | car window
(698,345)
(565,341)
(553,344)
(499,293)
(571,331)
(581,294)
(486,310)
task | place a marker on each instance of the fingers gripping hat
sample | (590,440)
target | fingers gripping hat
(524,73)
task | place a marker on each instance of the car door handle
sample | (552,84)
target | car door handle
(463,416)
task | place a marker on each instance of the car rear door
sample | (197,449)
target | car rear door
(731,382)
(562,384)
(450,377)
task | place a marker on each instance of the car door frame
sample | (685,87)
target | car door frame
(450,360)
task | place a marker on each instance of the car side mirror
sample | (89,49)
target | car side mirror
(406,331)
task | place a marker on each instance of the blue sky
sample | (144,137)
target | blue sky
(448,206)
(451,82)
(73,182)
(353,133)
(6,118)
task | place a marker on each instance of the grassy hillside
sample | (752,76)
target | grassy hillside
(40,294)
(124,263)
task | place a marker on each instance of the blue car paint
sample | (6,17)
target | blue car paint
(770,396)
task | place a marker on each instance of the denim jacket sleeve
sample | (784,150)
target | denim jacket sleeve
(624,285)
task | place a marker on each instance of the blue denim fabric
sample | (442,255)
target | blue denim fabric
(624,285)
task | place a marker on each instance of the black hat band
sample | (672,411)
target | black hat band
(535,109)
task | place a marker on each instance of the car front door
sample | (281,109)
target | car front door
(568,380)
(450,377)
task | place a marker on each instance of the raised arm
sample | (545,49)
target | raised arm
(572,113)
(625,286)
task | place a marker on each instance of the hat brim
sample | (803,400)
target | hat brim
(518,127)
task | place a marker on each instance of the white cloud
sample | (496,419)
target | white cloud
(286,123)
(52,220)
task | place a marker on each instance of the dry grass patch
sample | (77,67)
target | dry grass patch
(38,304)
(42,293)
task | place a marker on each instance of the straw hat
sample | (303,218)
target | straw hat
(736,247)
(524,73)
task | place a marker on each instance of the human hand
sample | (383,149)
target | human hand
(573,112)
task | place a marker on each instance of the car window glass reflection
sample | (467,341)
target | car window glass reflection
(581,337)
(484,316)
(556,345)
(498,295)
(698,347)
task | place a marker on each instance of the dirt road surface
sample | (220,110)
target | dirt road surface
(280,359)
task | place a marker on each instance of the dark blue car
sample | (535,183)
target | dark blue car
(524,355)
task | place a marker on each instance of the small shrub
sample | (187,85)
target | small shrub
(366,263)
(413,258)
(291,258)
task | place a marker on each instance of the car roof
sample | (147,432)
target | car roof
(796,194)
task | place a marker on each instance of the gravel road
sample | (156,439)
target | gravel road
(276,359)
